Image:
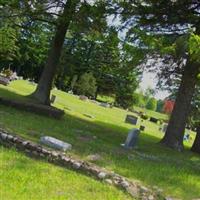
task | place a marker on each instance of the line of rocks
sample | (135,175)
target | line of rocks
(32,149)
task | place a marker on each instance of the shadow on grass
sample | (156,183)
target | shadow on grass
(170,171)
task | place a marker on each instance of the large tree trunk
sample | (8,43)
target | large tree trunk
(175,131)
(42,92)
(196,144)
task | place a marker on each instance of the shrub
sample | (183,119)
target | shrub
(151,104)
(86,85)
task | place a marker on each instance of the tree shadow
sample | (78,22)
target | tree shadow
(150,162)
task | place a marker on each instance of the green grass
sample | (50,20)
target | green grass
(176,173)
(22,178)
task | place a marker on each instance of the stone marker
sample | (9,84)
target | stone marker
(105,105)
(55,143)
(83,98)
(153,119)
(131,119)
(132,139)
(164,128)
(142,128)
(4,81)
(53,98)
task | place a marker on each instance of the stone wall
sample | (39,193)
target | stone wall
(59,158)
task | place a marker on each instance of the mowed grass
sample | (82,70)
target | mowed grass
(23,178)
(178,174)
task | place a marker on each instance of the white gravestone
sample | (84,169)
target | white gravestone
(55,143)
(132,139)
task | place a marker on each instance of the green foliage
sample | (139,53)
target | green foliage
(110,130)
(194,47)
(86,85)
(9,49)
(151,104)
(160,104)
(138,100)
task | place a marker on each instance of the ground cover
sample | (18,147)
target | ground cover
(176,173)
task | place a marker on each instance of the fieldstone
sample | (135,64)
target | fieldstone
(55,143)
(4,136)
(102,175)
(151,197)
(109,181)
(10,137)
(124,184)
(94,157)
(105,105)
(144,189)
(76,165)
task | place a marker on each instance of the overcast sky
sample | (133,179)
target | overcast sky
(149,80)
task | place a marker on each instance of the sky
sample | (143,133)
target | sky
(149,79)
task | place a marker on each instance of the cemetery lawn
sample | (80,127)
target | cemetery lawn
(178,174)
(23,178)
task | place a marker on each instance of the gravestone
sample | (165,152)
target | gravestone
(153,119)
(83,98)
(131,119)
(53,98)
(4,81)
(105,105)
(55,143)
(132,139)
(164,128)
(142,128)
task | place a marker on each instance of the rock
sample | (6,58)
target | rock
(150,197)
(94,157)
(4,136)
(76,165)
(105,105)
(83,98)
(102,175)
(124,184)
(144,189)
(55,143)
(109,181)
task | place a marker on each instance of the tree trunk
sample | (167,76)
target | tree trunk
(196,145)
(42,92)
(175,131)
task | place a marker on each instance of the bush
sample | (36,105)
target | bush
(144,116)
(86,85)
(151,104)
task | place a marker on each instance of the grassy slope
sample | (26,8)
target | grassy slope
(177,173)
(23,178)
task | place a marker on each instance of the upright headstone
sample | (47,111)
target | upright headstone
(53,98)
(164,128)
(132,139)
(142,128)
(131,119)
(153,119)
(55,143)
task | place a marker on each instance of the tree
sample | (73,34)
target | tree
(86,85)
(43,89)
(160,104)
(170,20)
(195,120)
(151,104)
